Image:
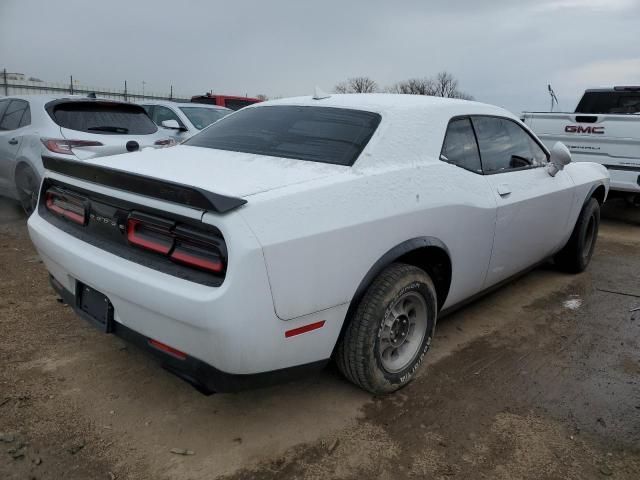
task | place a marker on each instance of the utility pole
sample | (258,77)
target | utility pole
(143,84)
(125,90)
(71,84)
(6,84)
(171,93)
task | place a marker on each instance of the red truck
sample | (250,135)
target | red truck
(228,101)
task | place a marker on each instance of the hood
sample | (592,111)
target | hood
(219,171)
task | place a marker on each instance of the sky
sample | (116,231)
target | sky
(503,52)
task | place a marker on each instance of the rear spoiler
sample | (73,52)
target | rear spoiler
(148,186)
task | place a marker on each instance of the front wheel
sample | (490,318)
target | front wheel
(27,184)
(577,253)
(391,331)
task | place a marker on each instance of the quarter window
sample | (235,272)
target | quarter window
(460,146)
(13,115)
(505,145)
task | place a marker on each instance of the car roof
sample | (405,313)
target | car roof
(412,128)
(43,99)
(622,88)
(390,102)
(170,103)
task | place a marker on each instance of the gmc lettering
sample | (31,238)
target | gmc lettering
(581,129)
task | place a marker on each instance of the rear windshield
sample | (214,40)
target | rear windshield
(203,117)
(609,102)
(103,118)
(315,134)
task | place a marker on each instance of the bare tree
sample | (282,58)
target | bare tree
(414,86)
(357,85)
(443,84)
(446,85)
(262,96)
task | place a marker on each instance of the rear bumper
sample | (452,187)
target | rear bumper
(624,178)
(199,374)
(232,328)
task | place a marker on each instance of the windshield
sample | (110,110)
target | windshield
(316,134)
(609,102)
(203,117)
(103,117)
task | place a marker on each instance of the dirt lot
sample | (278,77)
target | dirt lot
(538,380)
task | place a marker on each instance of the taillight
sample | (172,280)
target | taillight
(67,206)
(169,142)
(59,145)
(196,256)
(181,244)
(152,236)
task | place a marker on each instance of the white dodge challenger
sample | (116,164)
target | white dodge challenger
(300,230)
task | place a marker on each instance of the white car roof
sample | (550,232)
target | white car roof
(412,128)
(40,100)
(169,103)
(387,102)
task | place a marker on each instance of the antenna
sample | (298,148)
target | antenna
(552,94)
(319,94)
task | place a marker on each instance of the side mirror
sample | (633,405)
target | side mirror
(172,124)
(560,158)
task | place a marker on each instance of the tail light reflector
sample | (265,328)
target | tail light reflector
(169,142)
(304,329)
(66,206)
(60,145)
(167,349)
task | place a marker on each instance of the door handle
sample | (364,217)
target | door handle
(13,141)
(504,190)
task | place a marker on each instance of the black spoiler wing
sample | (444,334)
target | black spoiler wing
(148,186)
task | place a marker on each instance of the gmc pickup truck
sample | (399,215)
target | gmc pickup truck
(605,128)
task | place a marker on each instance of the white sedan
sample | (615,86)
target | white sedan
(304,229)
(183,119)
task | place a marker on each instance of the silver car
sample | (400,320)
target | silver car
(183,120)
(71,127)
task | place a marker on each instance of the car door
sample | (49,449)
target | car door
(14,114)
(532,206)
(472,218)
(160,114)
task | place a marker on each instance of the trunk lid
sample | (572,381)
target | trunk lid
(220,171)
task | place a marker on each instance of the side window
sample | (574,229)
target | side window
(460,147)
(3,106)
(505,145)
(148,109)
(160,114)
(26,117)
(13,115)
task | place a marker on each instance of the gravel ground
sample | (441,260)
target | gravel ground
(540,379)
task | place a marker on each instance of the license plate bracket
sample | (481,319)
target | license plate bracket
(96,307)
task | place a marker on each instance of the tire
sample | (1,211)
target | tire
(391,330)
(27,184)
(632,200)
(577,253)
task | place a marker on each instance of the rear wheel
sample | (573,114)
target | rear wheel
(577,253)
(391,331)
(27,184)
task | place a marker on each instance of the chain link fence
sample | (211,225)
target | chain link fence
(10,84)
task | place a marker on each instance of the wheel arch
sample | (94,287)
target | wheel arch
(599,192)
(427,253)
(22,162)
